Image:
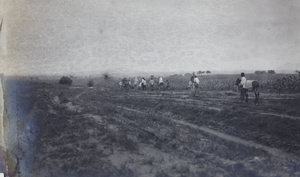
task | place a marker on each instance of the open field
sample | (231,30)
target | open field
(107,131)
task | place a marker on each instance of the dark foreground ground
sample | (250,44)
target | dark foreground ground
(100,131)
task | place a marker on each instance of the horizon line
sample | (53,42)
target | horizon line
(213,72)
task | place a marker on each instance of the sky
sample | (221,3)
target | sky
(96,36)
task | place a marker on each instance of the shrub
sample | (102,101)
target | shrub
(65,81)
(105,76)
(90,84)
(271,72)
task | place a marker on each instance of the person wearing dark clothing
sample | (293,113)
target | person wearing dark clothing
(168,84)
(144,83)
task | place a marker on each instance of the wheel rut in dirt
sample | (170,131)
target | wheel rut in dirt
(82,93)
(182,101)
(282,116)
(273,151)
(202,104)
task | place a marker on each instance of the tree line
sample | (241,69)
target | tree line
(265,72)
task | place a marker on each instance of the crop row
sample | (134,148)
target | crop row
(282,84)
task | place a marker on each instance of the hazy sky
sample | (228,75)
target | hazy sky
(67,36)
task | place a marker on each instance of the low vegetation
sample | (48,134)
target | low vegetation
(90,84)
(65,80)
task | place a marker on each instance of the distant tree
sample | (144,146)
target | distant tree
(298,71)
(260,72)
(65,81)
(188,75)
(175,76)
(201,72)
(271,72)
(208,72)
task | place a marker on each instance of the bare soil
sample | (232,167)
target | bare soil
(111,132)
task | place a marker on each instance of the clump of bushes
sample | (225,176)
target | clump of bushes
(65,80)
(90,84)
(63,97)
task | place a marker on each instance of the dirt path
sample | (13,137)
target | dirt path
(272,151)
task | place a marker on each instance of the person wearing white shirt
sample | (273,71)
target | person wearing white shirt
(244,90)
(129,82)
(196,80)
(196,84)
(151,83)
(135,82)
(160,82)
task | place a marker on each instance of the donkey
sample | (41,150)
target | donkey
(249,84)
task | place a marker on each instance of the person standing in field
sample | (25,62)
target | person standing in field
(191,82)
(196,84)
(237,85)
(244,90)
(192,78)
(125,83)
(135,82)
(144,83)
(151,83)
(160,82)
(167,84)
(129,83)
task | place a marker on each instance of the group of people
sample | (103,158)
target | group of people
(135,83)
(241,83)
